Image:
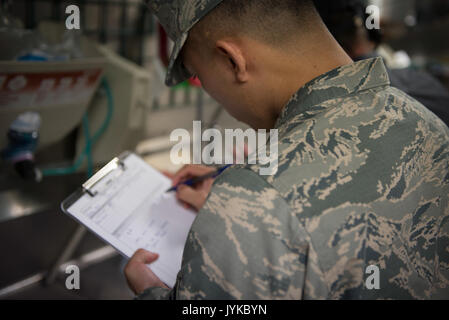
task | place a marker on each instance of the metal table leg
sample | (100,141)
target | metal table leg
(66,254)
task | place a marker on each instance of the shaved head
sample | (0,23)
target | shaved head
(274,22)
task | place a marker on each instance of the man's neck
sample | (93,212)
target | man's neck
(295,70)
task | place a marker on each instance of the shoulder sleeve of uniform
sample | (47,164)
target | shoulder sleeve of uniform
(244,244)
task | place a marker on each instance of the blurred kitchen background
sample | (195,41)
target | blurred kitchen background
(70,101)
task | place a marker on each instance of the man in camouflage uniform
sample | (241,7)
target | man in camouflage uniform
(362,180)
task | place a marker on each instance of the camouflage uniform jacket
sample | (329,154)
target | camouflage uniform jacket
(363,179)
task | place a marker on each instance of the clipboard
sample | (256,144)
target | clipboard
(125,204)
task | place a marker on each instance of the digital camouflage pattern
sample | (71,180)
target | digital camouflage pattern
(178,17)
(363,179)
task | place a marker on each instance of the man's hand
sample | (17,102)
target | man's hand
(137,273)
(193,196)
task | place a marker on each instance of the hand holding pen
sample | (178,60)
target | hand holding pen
(193,183)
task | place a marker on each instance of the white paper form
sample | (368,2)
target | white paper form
(131,210)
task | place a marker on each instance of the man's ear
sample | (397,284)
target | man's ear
(235,59)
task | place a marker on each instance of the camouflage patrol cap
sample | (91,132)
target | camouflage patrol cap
(178,17)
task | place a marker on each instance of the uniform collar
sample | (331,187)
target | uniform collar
(338,83)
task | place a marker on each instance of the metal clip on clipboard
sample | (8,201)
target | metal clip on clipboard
(114,164)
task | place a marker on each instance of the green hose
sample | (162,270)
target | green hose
(89,141)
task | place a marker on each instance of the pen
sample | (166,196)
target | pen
(193,181)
